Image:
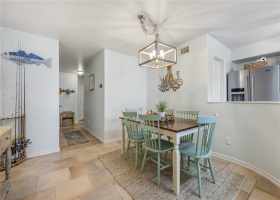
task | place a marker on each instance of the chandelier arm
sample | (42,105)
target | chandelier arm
(178,80)
(164,85)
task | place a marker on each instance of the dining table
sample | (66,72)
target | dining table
(176,129)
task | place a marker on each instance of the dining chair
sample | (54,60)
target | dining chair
(134,133)
(190,116)
(200,149)
(186,115)
(169,110)
(138,110)
(150,125)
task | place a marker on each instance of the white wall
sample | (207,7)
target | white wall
(125,87)
(269,46)
(69,102)
(254,129)
(194,79)
(42,83)
(216,48)
(94,100)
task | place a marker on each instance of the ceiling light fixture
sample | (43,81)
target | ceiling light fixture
(157,54)
(80,72)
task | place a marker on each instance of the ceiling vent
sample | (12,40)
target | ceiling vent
(185,50)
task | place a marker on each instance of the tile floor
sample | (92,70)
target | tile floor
(76,173)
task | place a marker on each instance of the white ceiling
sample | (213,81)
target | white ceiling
(86,27)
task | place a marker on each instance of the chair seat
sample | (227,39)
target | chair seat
(139,138)
(189,149)
(165,146)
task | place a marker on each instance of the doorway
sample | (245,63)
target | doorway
(81,102)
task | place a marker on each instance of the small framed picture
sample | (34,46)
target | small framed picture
(91,82)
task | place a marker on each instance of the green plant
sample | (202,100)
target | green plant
(161,106)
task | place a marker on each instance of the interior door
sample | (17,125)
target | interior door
(82,102)
(219,93)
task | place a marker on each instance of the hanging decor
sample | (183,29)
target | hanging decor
(168,81)
(14,79)
(157,54)
(20,57)
(67,91)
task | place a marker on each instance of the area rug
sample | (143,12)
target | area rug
(75,137)
(144,185)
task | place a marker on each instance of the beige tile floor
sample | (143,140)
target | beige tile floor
(76,173)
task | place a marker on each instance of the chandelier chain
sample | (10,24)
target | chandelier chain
(150,33)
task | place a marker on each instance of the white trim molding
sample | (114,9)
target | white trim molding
(248,166)
(219,89)
(41,153)
(101,139)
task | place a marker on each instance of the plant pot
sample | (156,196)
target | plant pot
(162,114)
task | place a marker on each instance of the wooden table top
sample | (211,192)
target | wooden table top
(178,125)
(3,129)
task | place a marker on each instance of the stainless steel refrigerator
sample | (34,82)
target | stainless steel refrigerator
(259,84)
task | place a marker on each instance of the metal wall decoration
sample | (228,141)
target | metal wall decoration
(67,91)
(168,81)
(20,57)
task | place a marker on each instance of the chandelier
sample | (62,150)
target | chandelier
(157,54)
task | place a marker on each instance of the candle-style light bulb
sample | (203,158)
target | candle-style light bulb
(154,53)
(151,55)
(161,54)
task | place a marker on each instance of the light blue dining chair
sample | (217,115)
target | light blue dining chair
(134,133)
(200,149)
(185,115)
(170,111)
(138,110)
(189,116)
(150,126)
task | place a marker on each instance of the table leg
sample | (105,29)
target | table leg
(176,166)
(8,163)
(123,137)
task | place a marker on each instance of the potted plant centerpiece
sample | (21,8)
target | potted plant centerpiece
(161,106)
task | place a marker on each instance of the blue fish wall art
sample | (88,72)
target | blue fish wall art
(22,57)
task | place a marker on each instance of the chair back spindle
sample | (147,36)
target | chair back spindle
(205,134)
(189,116)
(138,110)
(132,128)
(151,130)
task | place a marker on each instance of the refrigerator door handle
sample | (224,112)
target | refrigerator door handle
(252,88)
(247,89)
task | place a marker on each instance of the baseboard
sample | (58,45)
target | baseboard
(112,140)
(41,153)
(92,133)
(102,140)
(248,166)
